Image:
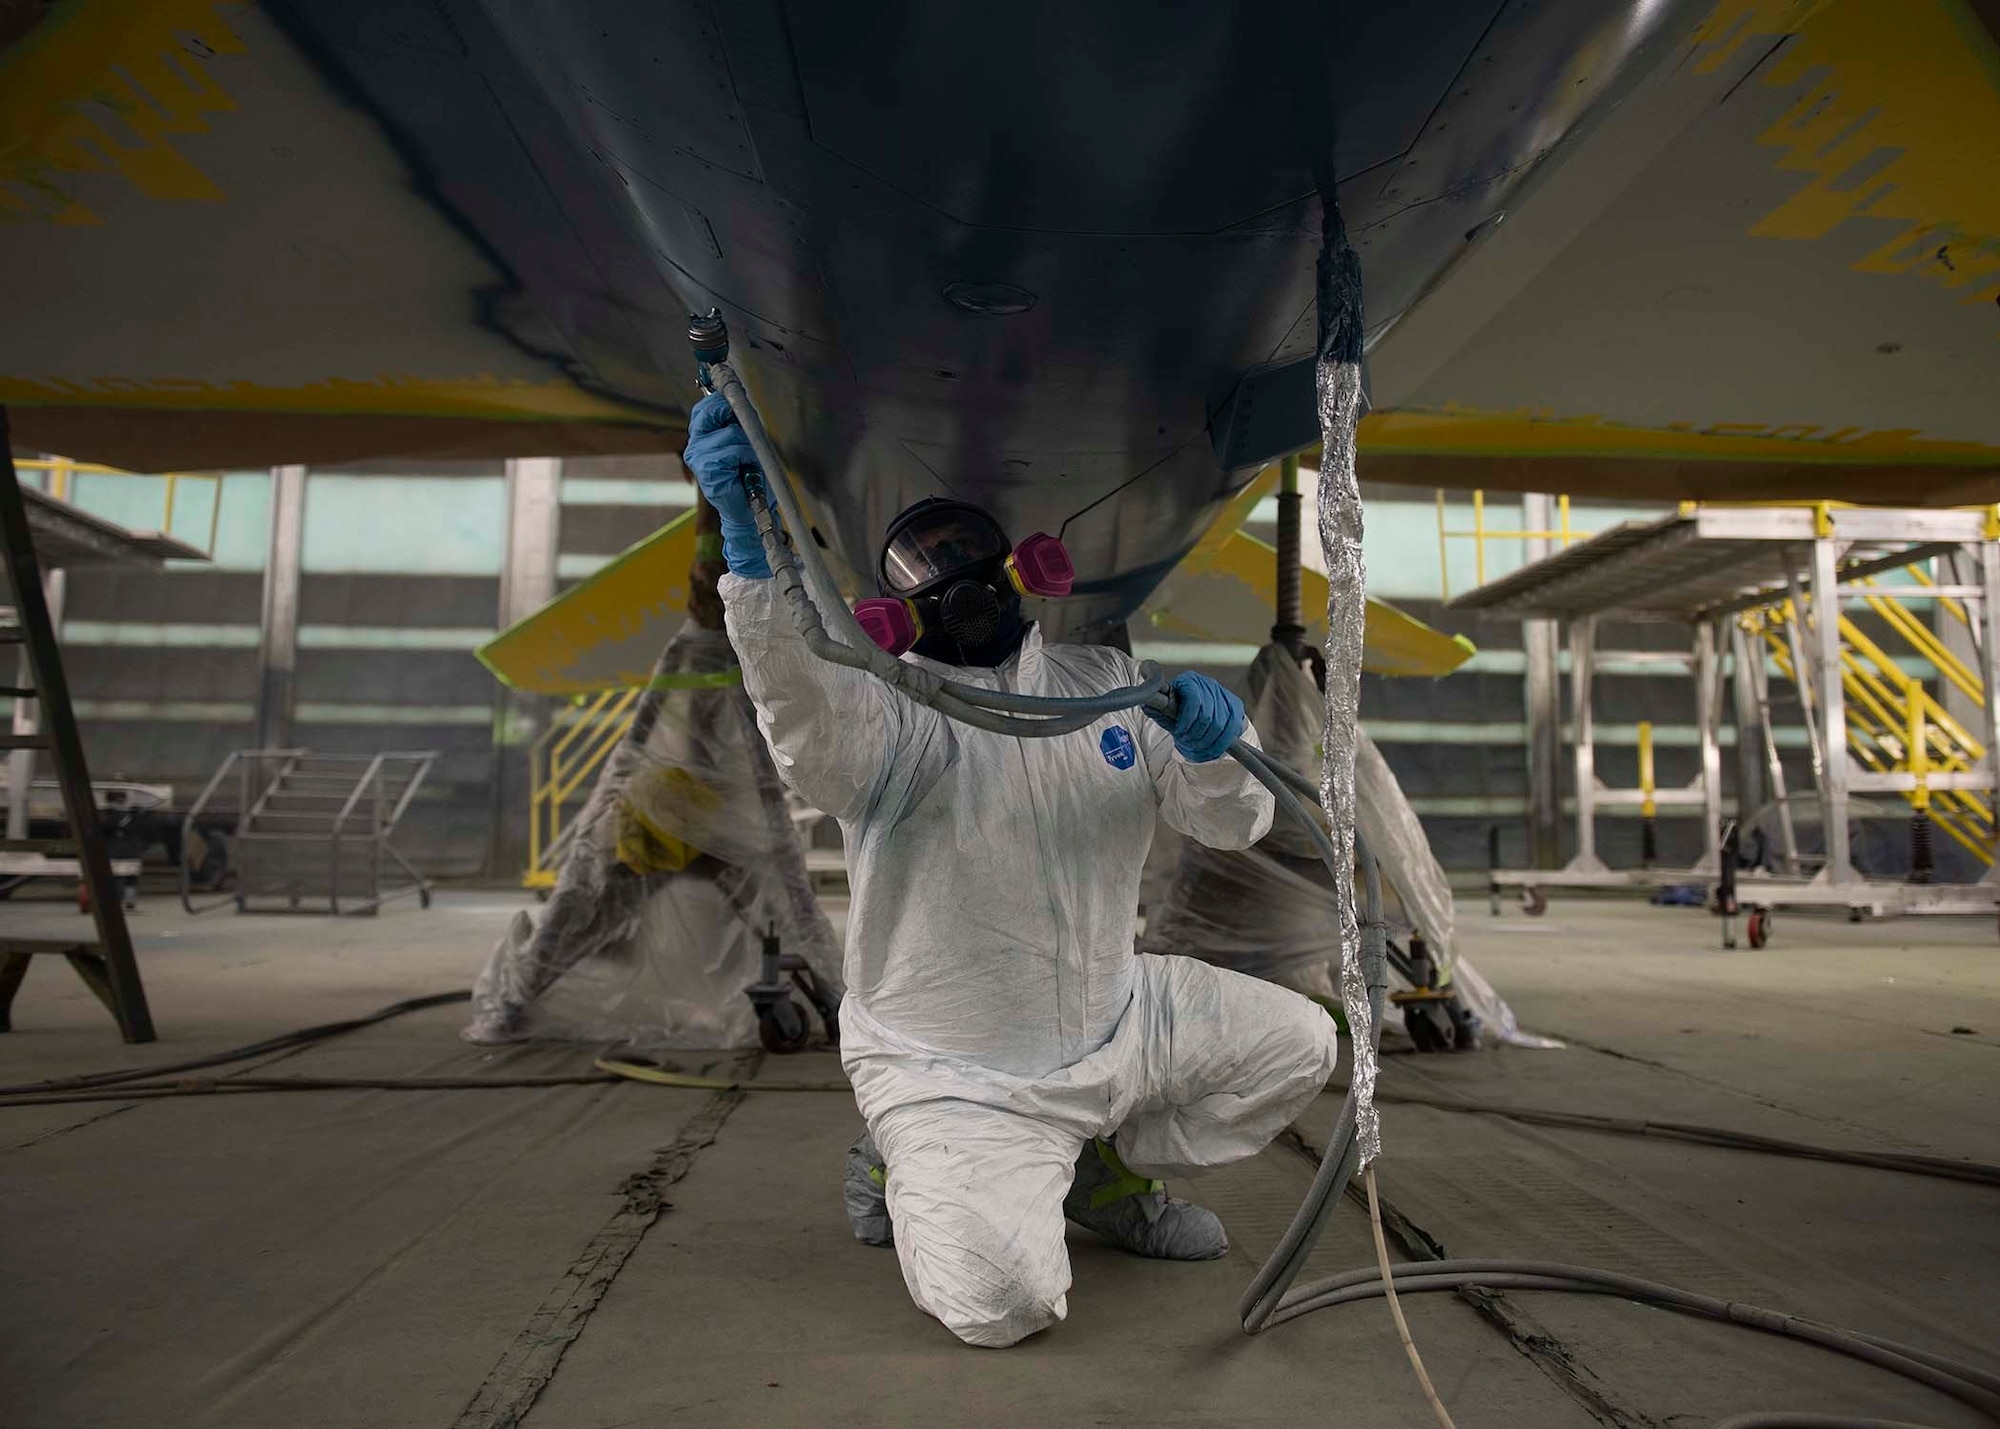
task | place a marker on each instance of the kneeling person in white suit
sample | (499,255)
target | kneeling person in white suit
(1015,1060)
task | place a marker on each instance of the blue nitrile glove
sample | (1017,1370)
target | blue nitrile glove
(1207,719)
(717,450)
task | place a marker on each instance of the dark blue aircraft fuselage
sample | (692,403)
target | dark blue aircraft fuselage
(1023,254)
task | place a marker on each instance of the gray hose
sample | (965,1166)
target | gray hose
(227,1086)
(1608,1282)
(1969,1384)
(1977,1173)
(996,711)
(1266,1297)
(1785,1419)
(283,1042)
(1151,683)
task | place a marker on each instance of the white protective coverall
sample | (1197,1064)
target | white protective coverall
(996,1015)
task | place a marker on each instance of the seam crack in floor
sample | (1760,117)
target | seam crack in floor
(64,1130)
(1534,1341)
(510,1389)
(1761,1099)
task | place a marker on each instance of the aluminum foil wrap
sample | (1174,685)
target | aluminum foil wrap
(1338,382)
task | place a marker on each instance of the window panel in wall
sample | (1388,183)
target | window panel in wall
(138,503)
(405,525)
(240,529)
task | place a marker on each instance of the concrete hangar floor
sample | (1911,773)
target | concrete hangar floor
(587,1256)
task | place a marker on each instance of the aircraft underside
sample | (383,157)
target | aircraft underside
(1055,259)
(1021,256)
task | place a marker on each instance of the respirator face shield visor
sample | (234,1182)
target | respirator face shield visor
(934,543)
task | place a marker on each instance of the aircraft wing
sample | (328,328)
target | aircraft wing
(605,631)
(1650,248)
(214,256)
(1772,272)
(1227,588)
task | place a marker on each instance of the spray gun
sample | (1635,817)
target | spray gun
(708,335)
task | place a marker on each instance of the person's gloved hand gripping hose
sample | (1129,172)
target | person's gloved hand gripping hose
(717,451)
(1207,719)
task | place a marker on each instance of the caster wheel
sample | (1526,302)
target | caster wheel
(1758,928)
(782,1027)
(1464,1027)
(423,898)
(1534,902)
(1424,1032)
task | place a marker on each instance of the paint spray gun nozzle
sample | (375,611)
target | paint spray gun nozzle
(708,334)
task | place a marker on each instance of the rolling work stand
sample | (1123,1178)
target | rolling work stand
(1773,584)
(106,965)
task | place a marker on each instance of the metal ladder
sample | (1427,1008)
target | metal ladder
(106,965)
(1749,654)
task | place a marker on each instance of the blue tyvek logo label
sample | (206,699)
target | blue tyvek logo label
(1119,751)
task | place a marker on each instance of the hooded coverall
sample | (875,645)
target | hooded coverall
(996,1015)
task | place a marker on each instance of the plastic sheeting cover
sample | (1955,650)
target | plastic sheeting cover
(1270,911)
(684,853)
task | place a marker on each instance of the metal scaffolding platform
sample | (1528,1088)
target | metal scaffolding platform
(1744,577)
(302,828)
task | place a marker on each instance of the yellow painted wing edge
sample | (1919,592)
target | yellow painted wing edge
(1229,520)
(1392,643)
(633,589)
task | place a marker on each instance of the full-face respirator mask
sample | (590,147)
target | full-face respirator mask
(952,584)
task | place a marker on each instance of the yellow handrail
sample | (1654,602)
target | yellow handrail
(1479,536)
(1866,738)
(1918,744)
(1481,533)
(1955,607)
(566,755)
(1890,670)
(1647,807)
(62,472)
(1906,624)
(1893,723)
